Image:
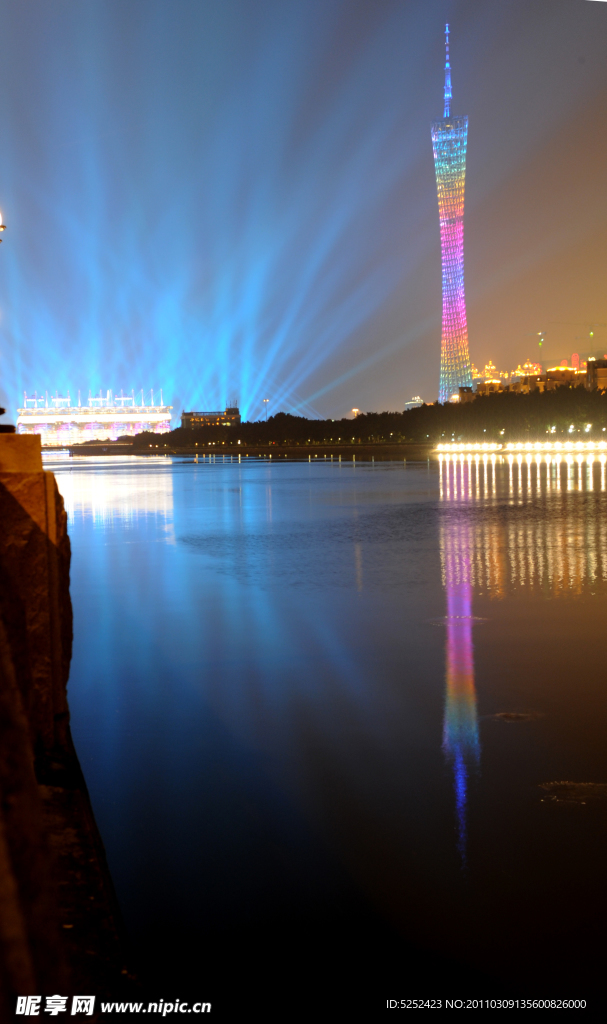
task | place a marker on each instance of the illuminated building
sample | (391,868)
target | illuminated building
(229,418)
(558,376)
(527,369)
(415,403)
(491,373)
(104,417)
(487,387)
(449,141)
(529,377)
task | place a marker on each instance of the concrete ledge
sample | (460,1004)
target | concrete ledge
(34,598)
(60,928)
(20,453)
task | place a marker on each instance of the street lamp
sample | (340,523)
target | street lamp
(5,428)
(265,402)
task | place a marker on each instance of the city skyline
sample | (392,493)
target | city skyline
(235,200)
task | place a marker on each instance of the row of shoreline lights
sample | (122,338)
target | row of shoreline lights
(538,446)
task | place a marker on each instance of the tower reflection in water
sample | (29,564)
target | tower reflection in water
(460,726)
(485,543)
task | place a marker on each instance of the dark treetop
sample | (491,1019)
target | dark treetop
(501,416)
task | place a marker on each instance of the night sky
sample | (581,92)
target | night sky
(235,199)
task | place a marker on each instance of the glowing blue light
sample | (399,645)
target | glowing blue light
(187,211)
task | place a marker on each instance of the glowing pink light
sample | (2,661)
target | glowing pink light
(449,142)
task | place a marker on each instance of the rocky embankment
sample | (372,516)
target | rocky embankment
(60,930)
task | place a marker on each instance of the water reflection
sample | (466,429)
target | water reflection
(561,547)
(257,714)
(460,726)
(126,495)
(533,521)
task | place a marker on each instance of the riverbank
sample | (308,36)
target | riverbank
(60,927)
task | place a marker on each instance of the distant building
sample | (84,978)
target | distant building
(415,403)
(596,375)
(530,377)
(523,385)
(103,417)
(558,376)
(487,387)
(229,418)
(467,395)
(527,369)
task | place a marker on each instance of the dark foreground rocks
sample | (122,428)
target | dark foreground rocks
(60,930)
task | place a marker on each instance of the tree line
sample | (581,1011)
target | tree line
(502,416)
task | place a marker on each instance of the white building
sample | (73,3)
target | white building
(104,417)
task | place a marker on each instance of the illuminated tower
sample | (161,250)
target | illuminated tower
(460,726)
(449,140)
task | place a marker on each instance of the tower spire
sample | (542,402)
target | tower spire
(447,111)
(449,142)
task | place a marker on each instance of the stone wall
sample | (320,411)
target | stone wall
(59,922)
(35,648)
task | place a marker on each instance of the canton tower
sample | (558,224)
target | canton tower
(449,140)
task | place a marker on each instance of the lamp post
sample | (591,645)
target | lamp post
(5,428)
(265,402)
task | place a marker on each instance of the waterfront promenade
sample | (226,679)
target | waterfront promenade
(345,452)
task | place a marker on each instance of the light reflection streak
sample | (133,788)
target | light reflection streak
(560,551)
(126,495)
(281,293)
(358,563)
(460,727)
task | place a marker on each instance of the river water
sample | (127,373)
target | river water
(317,706)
